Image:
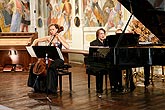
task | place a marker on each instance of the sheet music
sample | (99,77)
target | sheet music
(60,54)
(31,51)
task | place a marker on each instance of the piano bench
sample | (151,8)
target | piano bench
(63,71)
(94,71)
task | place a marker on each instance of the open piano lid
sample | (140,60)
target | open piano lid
(151,13)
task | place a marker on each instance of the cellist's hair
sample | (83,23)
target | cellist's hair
(58,27)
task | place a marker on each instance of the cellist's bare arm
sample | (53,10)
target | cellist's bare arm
(63,41)
(42,39)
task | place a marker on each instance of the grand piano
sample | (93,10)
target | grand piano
(128,55)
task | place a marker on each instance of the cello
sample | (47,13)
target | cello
(40,66)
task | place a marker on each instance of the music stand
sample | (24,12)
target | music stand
(41,52)
(46,52)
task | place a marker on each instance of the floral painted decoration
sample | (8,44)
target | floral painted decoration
(145,34)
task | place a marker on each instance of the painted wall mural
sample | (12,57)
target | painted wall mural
(61,14)
(14,15)
(80,18)
(108,14)
(104,13)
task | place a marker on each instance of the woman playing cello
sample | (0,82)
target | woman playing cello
(50,81)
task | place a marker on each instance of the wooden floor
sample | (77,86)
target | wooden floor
(15,95)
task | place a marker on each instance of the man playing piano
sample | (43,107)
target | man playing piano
(99,41)
(115,76)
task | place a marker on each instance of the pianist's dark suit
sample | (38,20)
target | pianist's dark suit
(115,75)
(99,74)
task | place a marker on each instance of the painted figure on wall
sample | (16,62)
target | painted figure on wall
(58,16)
(109,15)
(97,11)
(76,7)
(90,19)
(26,17)
(61,14)
(108,5)
(11,13)
(5,17)
(115,15)
(17,11)
(67,9)
(49,14)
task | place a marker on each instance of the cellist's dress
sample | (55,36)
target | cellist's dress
(41,84)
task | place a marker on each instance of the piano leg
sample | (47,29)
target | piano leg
(115,77)
(146,75)
(163,73)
